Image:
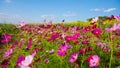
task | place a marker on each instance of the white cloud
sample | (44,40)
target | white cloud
(8,1)
(110,10)
(103,9)
(96,9)
(48,16)
(69,14)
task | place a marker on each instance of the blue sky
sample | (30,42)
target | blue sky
(56,10)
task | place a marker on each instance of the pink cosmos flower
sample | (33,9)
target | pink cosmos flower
(87,28)
(73,57)
(27,61)
(7,53)
(69,38)
(94,61)
(51,51)
(94,19)
(114,28)
(117,17)
(62,50)
(22,23)
(29,43)
(74,30)
(75,36)
(97,32)
(54,36)
(63,36)
(6,38)
(20,59)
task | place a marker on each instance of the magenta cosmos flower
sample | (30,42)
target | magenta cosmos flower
(6,38)
(29,43)
(62,50)
(97,32)
(73,57)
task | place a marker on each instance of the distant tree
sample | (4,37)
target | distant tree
(100,18)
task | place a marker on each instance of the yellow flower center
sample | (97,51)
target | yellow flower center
(63,50)
(96,32)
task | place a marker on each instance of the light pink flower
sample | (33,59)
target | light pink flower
(94,19)
(117,17)
(63,36)
(28,60)
(114,28)
(7,53)
(22,23)
(94,61)
(73,57)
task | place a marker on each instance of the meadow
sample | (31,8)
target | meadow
(92,44)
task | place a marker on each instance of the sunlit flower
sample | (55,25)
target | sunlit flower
(22,23)
(94,19)
(97,32)
(27,61)
(93,60)
(73,57)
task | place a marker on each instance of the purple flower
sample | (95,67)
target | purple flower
(73,57)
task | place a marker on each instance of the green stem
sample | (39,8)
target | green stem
(111,55)
(82,61)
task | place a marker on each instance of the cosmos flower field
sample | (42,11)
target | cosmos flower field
(91,44)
